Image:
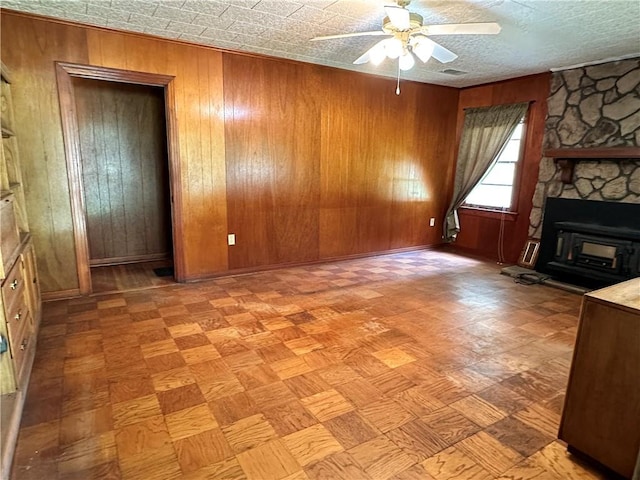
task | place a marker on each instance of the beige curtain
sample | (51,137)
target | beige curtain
(484,134)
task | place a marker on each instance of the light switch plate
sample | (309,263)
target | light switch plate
(231,239)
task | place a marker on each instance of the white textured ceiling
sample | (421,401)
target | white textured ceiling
(536,35)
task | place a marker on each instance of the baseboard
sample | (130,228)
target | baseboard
(264,268)
(75,292)
(108,262)
(377,254)
(60,295)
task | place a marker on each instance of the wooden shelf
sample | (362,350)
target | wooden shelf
(591,153)
(568,157)
(7,132)
(5,73)
(17,264)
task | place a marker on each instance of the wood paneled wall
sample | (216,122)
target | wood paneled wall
(272,127)
(31,45)
(383,165)
(301,162)
(323,163)
(479,234)
(122,132)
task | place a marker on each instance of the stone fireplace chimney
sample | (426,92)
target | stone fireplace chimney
(591,107)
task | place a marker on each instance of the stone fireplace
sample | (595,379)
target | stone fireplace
(592,159)
(592,107)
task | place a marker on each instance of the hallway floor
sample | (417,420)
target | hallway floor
(421,365)
(129,276)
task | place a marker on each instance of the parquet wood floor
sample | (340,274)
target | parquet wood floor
(129,276)
(421,365)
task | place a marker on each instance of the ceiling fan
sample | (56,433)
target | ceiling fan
(409,37)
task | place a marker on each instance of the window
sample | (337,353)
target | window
(495,189)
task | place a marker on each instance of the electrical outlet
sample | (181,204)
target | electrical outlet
(432,222)
(231,239)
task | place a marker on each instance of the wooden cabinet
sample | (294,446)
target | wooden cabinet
(9,232)
(601,415)
(19,311)
(20,306)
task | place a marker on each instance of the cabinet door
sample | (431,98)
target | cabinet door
(602,410)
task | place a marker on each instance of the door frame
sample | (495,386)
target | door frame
(65,72)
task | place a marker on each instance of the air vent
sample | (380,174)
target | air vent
(453,71)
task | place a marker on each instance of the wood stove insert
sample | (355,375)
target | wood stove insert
(590,243)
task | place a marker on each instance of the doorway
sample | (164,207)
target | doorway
(125,176)
(122,168)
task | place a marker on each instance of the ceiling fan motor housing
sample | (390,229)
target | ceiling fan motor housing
(415,22)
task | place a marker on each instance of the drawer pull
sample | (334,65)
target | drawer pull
(18,316)
(14,284)
(24,344)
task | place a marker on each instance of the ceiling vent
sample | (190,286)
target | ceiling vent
(453,71)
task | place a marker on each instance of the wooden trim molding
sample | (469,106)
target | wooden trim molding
(593,153)
(341,258)
(115,75)
(567,158)
(175,181)
(60,295)
(74,172)
(151,257)
(64,74)
(508,216)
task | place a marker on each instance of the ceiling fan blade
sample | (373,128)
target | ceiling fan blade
(442,54)
(423,47)
(491,28)
(399,17)
(366,56)
(347,35)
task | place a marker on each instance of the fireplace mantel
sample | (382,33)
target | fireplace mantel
(568,157)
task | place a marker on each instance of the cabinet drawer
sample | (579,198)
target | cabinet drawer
(13,287)
(9,234)
(18,319)
(20,347)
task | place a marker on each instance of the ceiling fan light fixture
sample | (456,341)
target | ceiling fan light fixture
(393,47)
(407,61)
(409,37)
